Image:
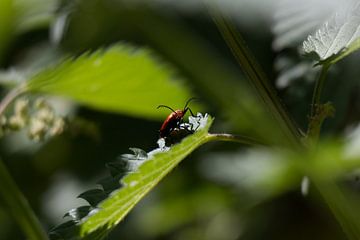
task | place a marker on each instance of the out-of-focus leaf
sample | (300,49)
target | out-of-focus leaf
(6,24)
(164,216)
(294,20)
(290,70)
(32,14)
(11,78)
(19,16)
(136,185)
(338,37)
(352,149)
(33,59)
(121,79)
(258,172)
(241,10)
(265,173)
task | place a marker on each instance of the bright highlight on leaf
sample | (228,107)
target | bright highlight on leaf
(133,176)
(121,79)
(338,37)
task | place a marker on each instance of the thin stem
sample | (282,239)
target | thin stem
(233,138)
(319,85)
(18,206)
(341,206)
(12,197)
(10,96)
(256,76)
(319,112)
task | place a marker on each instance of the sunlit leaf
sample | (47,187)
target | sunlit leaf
(121,79)
(135,185)
(338,37)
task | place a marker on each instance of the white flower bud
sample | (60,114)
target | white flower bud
(41,103)
(58,127)
(21,107)
(46,115)
(3,121)
(16,122)
(37,129)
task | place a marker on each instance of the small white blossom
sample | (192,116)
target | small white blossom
(37,129)
(58,127)
(21,107)
(46,115)
(16,122)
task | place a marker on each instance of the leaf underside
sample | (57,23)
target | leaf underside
(337,38)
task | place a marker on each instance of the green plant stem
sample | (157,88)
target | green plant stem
(12,197)
(341,207)
(335,199)
(338,202)
(319,85)
(257,77)
(18,206)
(233,138)
(10,96)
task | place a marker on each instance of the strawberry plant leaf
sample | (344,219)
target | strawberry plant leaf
(137,182)
(121,79)
(336,38)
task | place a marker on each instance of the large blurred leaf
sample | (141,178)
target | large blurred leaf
(136,184)
(120,79)
(338,37)
(294,20)
(259,174)
(265,173)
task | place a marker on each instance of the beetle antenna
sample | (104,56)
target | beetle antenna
(188,101)
(164,106)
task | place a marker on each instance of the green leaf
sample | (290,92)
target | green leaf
(337,38)
(121,79)
(136,185)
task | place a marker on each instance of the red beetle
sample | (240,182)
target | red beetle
(174,120)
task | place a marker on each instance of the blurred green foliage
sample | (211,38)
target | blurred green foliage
(113,62)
